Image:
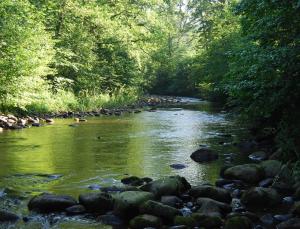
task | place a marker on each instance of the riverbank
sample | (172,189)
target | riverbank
(35,119)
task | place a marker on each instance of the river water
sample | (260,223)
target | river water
(72,158)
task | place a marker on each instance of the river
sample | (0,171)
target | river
(73,158)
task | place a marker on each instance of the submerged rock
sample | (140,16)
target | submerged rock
(212,192)
(6,216)
(132,180)
(204,155)
(174,185)
(208,205)
(178,166)
(96,202)
(51,203)
(249,173)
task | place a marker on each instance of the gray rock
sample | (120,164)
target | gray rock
(158,209)
(174,185)
(204,155)
(261,197)
(212,192)
(293,223)
(249,173)
(51,203)
(96,202)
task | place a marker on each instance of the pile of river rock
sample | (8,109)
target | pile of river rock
(36,120)
(247,196)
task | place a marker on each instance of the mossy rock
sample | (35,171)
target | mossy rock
(143,221)
(238,222)
(187,221)
(249,173)
(127,204)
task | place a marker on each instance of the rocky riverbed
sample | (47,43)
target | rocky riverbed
(15,122)
(255,195)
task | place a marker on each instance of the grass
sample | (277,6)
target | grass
(63,101)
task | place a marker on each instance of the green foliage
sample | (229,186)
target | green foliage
(26,50)
(249,52)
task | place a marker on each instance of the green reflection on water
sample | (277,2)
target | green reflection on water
(103,150)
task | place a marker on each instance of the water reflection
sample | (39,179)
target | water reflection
(103,149)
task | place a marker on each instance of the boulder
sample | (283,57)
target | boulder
(293,223)
(204,155)
(187,221)
(271,168)
(238,222)
(249,173)
(174,185)
(158,209)
(127,203)
(96,202)
(208,205)
(51,203)
(172,201)
(261,197)
(144,221)
(208,220)
(212,192)
(6,216)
